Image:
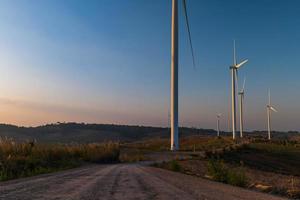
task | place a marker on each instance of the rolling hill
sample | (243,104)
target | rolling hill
(82,133)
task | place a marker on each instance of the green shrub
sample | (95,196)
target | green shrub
(174,166)
(237,177)
(220,172)
(217,170)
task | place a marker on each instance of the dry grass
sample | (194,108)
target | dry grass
(131,155)
(192,143)
(204,143)
(272,157)
(27,159)
(271,167)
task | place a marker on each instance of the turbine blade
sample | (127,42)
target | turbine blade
(237,79)
(244,85)
(242,63)
(189,32)
(234,54)
(269,93)
(272,108)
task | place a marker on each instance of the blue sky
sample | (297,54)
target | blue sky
(108,61)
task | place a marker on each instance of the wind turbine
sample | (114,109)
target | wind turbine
(234,69)
(218,123)
(174,70)
(269,109)
(241,98)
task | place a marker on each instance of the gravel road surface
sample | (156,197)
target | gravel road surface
(122,181)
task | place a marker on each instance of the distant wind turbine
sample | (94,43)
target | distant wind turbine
(241,103)
(174,70)
(269,109)
(234,69)
(218,123)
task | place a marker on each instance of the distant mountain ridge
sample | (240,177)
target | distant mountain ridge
(82,133)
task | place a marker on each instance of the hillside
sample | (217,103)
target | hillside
(80,132)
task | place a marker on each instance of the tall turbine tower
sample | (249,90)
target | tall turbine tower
(269,109)
(174,70)
(234,69)
(174,77)
(241,98)
(218,124)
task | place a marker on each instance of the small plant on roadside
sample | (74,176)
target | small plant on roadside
(220,172)
(172,165)
(175,166)
(217,170)
(237,177)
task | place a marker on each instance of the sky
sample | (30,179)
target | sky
(108,61)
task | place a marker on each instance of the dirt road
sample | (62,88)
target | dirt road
(124,181)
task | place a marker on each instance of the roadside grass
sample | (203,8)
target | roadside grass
(30,158)
(217,170)
(280,157)
(175,166)
(222,173)
(172,165)
(191,143)
(149,145)
(131,155)
(271,167)
(200,143)
(273,157)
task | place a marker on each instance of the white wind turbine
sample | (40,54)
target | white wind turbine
(241,104)
(218,123)
(269,109)
(234,69)
(174,70)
